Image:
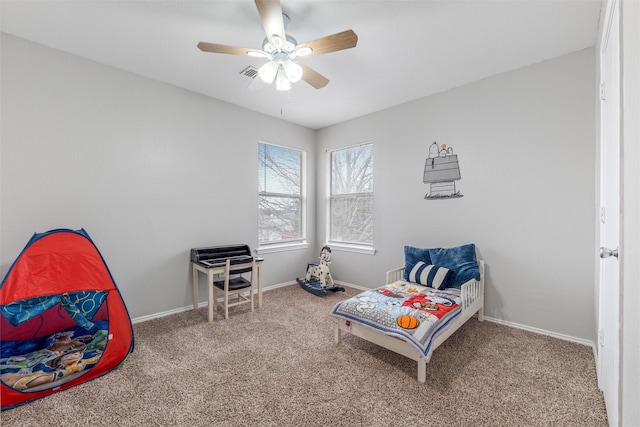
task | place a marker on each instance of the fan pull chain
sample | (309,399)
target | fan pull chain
(288,95)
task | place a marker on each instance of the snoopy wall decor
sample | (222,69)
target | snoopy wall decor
(441,170)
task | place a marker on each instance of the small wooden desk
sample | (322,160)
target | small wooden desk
(210,272)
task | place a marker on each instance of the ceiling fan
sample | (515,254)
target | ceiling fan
(282,49)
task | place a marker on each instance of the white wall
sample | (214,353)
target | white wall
(149,170)
(526,142)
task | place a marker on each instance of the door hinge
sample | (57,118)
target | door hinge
(602,93)
(601,337)
(602,215)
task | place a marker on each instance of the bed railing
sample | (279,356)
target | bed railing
(395,275)
(469,292)
(472,293)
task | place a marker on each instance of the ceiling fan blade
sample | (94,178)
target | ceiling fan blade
(229,50)
(339,41)
(314,78)
(270,13)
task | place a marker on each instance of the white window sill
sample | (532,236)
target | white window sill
(367,250)
(282,247)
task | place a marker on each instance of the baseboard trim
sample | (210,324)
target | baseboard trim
(351,285)
(200,305)
(563,337)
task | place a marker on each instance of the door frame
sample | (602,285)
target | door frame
(609,307)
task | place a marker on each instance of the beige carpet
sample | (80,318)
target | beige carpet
(278,366)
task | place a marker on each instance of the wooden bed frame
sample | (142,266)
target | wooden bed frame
(472,295)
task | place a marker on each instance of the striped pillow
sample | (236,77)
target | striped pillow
(430,275)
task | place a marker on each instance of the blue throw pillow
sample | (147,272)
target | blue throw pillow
(430,275)
(462,260)
(412,256)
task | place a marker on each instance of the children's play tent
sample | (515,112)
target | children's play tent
(63,321)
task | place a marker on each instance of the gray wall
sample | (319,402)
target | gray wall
(149,170)
(526,146)
(84,145)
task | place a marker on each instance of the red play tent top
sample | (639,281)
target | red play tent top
(62,271)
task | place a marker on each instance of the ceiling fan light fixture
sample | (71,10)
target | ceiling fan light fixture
(269,47)
(276,41)
(303,51)
(268,71)
(259,54)
(294,71)
(282,81)
(289,46)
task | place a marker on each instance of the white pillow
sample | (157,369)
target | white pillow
(430,275)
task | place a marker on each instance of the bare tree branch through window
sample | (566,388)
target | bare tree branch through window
(351,201)
(280,198)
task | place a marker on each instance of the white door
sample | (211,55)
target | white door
(609,281)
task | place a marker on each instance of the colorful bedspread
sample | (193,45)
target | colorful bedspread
(406,310)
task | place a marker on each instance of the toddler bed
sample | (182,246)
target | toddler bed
(422,304)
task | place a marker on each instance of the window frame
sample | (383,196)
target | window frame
(300,242)
(357,247)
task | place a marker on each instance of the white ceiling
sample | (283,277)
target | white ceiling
(406,49)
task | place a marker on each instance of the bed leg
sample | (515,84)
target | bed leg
(422,371)
(336,336)
(481,314)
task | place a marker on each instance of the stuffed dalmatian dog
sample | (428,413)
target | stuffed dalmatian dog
(320,271)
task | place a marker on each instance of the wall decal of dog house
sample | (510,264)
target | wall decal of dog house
(441,170)
(63,321)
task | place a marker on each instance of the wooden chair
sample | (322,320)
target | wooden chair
(234,283)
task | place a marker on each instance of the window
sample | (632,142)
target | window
(351,196)
(280,195)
